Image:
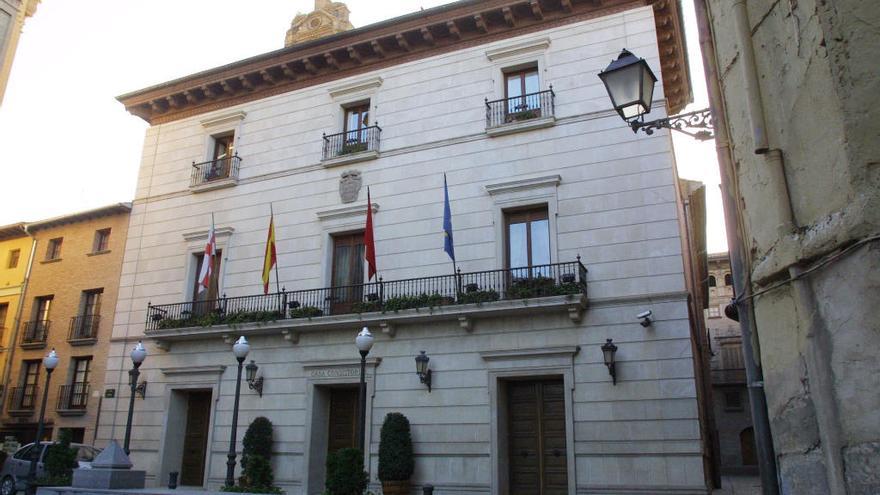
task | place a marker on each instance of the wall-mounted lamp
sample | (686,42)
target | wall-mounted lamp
(254,383)
(141,390)
(422,369)
(645,316)
(608,351)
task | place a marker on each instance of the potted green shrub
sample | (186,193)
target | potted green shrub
(256,455)
(396,461)
(345,473)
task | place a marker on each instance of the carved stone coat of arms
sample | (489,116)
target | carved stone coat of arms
(349,186)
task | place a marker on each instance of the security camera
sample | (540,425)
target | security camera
(645,316)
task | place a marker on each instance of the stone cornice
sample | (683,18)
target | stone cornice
(404,39)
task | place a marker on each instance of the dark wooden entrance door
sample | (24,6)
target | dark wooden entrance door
(343,419)
(195,441)
(536,438)
(348,272)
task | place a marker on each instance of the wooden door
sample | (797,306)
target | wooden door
(343,419)
(195,441)
(348,272)
(536,438)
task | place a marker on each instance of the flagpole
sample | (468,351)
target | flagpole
(272,220)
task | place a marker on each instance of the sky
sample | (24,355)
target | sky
(68,145)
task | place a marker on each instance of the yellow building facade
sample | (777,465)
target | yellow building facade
(68,305)
(15,254)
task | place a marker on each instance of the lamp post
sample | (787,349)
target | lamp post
(630,85)
(364,342)
(49,362)
(138,354)
(240,350)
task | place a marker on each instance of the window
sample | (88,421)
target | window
(91,302)
(528,237)
(733,400)
(4,308)
(224,147)
(712,281)
(357,119)
(53,251)
(205,300)
(79,386)
(728,280)
(14,255)
(732,356)
(714,312)
(42,305)
(102,241)
(518,84)
(348,271)
(221,158)
(30,377)
(85,325)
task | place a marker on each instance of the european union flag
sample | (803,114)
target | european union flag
(448,245)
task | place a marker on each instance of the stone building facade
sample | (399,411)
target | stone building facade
(797,104)
(68,305)
(13,14)
(733,421)
(502,98)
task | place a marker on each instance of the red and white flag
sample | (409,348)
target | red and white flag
(208,261)
(369,242)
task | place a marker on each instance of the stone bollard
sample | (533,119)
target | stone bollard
(428,490)
(172,480)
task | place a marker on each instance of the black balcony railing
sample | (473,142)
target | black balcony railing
(73,396)
(346,143)
(443,290)
(23,398)
(520,108)
(35,332)
(217,169)
(84,327)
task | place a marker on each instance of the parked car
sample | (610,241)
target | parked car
(15,470)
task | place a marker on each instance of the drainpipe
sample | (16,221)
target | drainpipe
(751,88)
(7,367)
(754,376)
(773,173)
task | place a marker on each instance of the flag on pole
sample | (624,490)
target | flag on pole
(208,261)
(369,244)
(448,245)
(270,257)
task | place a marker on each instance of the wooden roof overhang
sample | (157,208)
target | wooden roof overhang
(403,39)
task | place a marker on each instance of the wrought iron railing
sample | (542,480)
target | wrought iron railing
(23,398)
(346,143)
(73,396)
(35,332)
(442,290)
(84,327)
(217,169)
(520,108)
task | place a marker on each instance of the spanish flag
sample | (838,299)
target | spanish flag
(270,258)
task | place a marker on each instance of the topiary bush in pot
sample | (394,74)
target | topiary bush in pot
(256,456)
(396,460)
(345,473)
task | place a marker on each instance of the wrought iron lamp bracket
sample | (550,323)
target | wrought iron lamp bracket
(141,390)
(257,385)
(698,125)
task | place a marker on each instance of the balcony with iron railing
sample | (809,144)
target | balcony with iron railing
(460,296)
(22,400)
(214,174)
(351,146)
(34,334)
(73,399)
(519,113)
(83,329)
